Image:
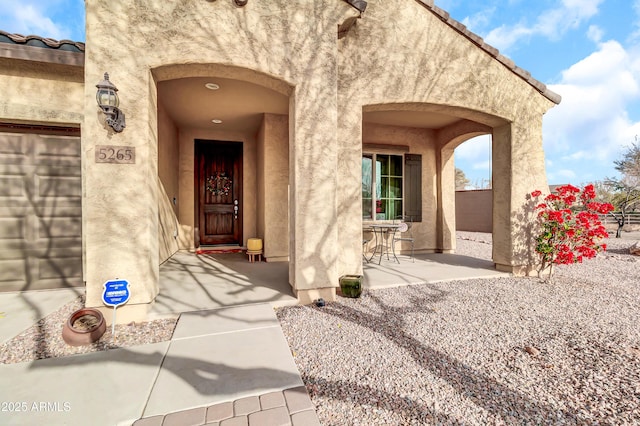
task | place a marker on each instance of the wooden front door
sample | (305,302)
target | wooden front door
(219,189)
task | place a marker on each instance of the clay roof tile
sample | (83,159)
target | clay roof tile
(37,41)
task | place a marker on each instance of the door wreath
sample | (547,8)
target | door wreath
(219,184)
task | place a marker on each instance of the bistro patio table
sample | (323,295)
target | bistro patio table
(384,231)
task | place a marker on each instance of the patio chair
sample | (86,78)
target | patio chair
(403,233)
(364,248)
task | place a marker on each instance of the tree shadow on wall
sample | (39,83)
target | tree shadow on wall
(524,241)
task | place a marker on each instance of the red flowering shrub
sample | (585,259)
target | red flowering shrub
(569,232)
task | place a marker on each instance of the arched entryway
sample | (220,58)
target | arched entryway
(425,134)
(223,143)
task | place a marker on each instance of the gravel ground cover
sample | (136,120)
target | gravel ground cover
(490,351)
(44,339)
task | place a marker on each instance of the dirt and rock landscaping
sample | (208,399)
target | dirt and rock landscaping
(499,351)
(481,351)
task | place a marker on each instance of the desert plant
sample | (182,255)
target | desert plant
(570,227)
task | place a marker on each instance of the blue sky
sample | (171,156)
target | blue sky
(588,51)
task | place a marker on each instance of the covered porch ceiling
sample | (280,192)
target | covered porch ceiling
(195,102)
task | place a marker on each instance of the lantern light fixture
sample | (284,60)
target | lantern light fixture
(107,98)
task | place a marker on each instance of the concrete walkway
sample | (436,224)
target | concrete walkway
(228,362)
(234,357)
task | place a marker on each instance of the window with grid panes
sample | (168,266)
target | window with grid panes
(382,196)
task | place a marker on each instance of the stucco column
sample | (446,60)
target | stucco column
(518,169)
(446,217)
(120,200)
(273,182)
(313,179)
(350,186)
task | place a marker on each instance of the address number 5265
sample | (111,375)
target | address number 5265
(115,154)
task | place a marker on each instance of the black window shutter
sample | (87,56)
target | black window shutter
(413,186)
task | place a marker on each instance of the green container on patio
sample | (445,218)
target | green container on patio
(351,285)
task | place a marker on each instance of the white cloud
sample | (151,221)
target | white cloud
(595,33)
(636,34)
(473,149)
(552,23)
(592,124)
(480,19)
(610,62)
(582,8)
(473,157)
(504,36)
(482,165)
(57,19)
(578,155)
(562,176)
(33,22)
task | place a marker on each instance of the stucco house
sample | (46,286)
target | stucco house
(293,121)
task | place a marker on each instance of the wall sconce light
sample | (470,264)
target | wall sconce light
(345,27)
(361,5)
(108,101)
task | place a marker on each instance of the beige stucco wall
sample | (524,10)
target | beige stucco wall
(168,155)
(473,210)
(168,189)
(412,60)
(168,226)
(449,138)
(273,186)
(398,56)
(35,92)
(518,169)
(270,37)
(261,148)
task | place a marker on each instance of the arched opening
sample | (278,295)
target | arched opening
(474,197)
(223,143)
(426,134)
(473,158)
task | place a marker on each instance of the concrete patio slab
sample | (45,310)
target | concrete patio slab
(21,310)
(101,388)
(427,268)
(190,282)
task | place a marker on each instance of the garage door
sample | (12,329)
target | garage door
(40,211)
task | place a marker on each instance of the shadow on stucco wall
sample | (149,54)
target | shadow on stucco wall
(524,241)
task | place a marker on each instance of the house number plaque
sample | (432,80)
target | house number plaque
(115,154)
